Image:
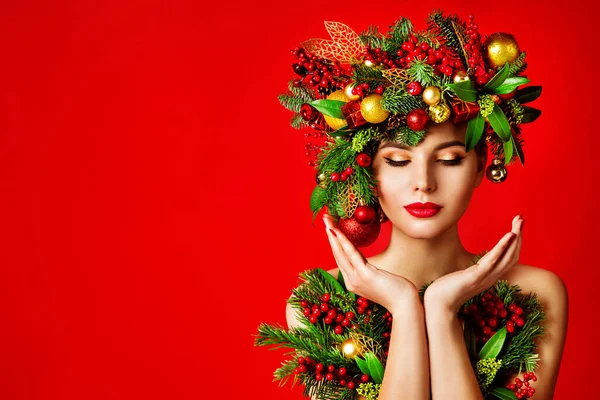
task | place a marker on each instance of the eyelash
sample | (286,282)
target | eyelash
(451,163)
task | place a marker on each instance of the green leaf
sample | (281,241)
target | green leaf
(530,114)
(493,346)
(499,78)
(331,280)
(508,150)
(318,199)
(375,367)
(474,131)
(362,364)
(519,151)
(528,94)
(499,123)
(469,336)
(332,108)
(502,393)
(340,279)
(340,132)
(465,90)
(511,84)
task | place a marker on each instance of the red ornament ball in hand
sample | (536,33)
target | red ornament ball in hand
(360,235)
(417,119)
(364,214)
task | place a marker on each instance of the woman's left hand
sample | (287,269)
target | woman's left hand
(451,291)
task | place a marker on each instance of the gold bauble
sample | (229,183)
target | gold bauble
(369,63)
(461,76)
(348,92)
(371,109)
(500,48)
(496,172)
(439,113)
(431,95)
(336,123)
(350,348)
(321,180)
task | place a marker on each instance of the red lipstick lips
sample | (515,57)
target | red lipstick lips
(423,210)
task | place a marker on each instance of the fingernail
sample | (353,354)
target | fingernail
(332,231)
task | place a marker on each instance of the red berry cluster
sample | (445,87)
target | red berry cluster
(442,59)
(343,176)
(473,48)
(317,73)
(363,89)
(522,389)
(489,313)
(308,365)
(328,314)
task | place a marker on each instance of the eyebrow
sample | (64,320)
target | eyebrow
(438,147)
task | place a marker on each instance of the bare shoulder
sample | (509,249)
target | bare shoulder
(552,293)
(290,312)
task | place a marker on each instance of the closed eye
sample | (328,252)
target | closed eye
(453,162)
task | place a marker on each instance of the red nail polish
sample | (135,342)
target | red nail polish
(332,231)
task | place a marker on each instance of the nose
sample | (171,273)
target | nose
(424,180)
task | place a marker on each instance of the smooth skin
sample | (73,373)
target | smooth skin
(427,354)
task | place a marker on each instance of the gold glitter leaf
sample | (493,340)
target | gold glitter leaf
(345,46)
(397,77)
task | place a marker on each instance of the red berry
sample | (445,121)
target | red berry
(487,295)
(518,311)
(331,314)
(520,322)
(335,177)
(338,329)
(349,171)
(306,312)
(301,360)
(361,310)
(345,322)
(328,320)
(363,160)
(342,371)
(364,378)
(343,382)
(326,297)
(350,315)
(339,318)
(414,88)
(319,367)
(331,368)
(344,176)
(510,329)
(487,330)
(313,319)
(324,307)
(329,377)
(502,313)
(351,385)
(318,377)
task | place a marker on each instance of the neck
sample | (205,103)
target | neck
(423,260)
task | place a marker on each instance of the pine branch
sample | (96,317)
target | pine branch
(400,30)
(370,75)
(302,92)
(518,66)
(421,72)
(372,37)
(290,102)
(444,27)
(405,135)
(298,122)
(398,101)
(428,37)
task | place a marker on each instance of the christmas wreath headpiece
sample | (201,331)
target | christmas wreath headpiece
(356,90)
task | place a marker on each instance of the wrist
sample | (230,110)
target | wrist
(405,304)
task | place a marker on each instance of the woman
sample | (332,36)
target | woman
(427,354)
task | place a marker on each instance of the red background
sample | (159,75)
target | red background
(154,199)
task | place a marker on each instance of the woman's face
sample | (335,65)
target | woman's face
(438,170)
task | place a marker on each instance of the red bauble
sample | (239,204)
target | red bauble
(363,160)
(360,235)
(364,214)
(417,119)
(414,88)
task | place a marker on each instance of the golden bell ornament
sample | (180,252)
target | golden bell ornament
(461,76)
(350,348)
(321,180)
(371,109)
(496,172)
(439,113)
(348,92)
(336,123)
(431,95)
(500,48)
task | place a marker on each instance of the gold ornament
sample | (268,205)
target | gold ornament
(350,348)
(461,76)
(345,46)
(431,95)
(336,123)
(439,113)
(369,63)
(496,172)
(371,109)
(500,48)
(348,92)
(321,180)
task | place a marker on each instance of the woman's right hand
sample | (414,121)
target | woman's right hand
(390,290)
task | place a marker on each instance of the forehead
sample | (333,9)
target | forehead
(436,134)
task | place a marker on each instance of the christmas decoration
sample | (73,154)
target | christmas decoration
(500,48)
(496,172)
(364,214)
(361,235)
(357,90)
(371,109)
(342,344)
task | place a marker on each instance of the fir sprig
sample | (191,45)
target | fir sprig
(370,75)
(518,66)
(301,92)
(291,102)
(405,135)
(398,101)
(446,27)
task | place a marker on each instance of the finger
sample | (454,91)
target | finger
(511,255)
(338,252)
(491,258)
(353,254)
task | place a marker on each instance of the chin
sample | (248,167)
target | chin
(422,228)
